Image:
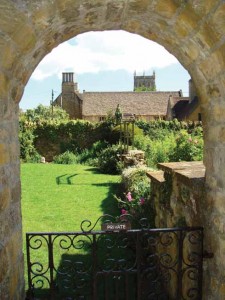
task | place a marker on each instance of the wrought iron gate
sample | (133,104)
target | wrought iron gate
(134,264)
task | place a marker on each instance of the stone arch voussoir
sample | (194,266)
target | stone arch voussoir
(192,30)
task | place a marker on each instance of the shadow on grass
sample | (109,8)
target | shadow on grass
(110,267)
(109,205)
(93,170)
(104,271)
(65,179)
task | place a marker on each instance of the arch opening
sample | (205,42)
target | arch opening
(105,61)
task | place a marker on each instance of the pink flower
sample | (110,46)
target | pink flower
(142,201)
(129,197)
(124,211)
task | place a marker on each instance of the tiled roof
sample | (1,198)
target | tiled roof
(139,103)
(178,99)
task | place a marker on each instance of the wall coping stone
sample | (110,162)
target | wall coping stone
(175,166)
(190,173)
(157,176)
(192,178)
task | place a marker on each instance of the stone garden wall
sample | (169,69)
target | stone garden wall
(178,194)
(179,198)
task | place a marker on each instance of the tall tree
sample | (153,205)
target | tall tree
(44,113)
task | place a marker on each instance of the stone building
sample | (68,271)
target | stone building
(185,108)
(147,105)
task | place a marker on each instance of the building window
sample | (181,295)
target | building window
(101,119)
(199,116)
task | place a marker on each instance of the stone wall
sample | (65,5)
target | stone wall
(133,158)
(194,116)
(71,103)
(179,199)
(178,194)
(191,30)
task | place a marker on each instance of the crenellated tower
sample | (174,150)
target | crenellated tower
(144,81)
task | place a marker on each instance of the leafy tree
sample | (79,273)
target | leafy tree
(28,151)
(118,115)
(145,89)
(44,113)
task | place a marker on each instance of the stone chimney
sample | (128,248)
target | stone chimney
(68,84)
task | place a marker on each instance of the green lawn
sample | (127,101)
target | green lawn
(58,197)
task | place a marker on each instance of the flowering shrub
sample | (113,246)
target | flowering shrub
(156,150)
(188,147)
(136,198)
(135,206)
(174,146)
(134,180)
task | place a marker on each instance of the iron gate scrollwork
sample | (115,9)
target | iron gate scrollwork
(137,264)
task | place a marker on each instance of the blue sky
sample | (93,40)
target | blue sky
(104,61)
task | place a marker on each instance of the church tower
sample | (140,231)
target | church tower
(144,81)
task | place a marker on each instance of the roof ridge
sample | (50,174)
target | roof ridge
(139,92)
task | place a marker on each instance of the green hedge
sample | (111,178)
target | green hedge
(51,138)
(157,128)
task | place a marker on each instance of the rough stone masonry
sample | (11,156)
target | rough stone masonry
(192,30)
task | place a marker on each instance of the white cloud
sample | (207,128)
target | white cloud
(93,52)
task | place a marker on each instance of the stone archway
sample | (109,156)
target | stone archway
(192,30)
